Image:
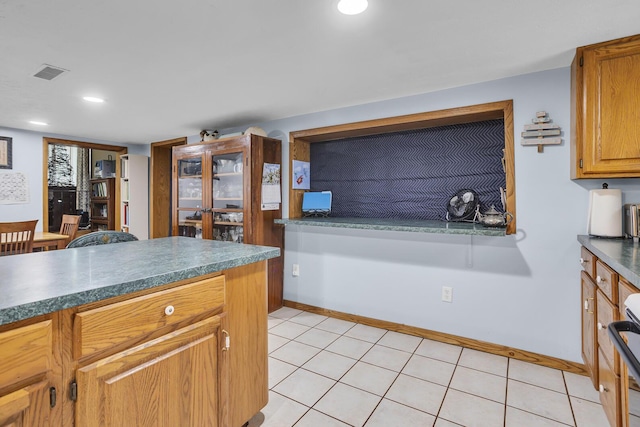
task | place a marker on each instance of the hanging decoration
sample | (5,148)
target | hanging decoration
(60,171)
(541,132)
(14,188)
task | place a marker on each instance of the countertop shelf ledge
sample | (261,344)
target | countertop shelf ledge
(408,225)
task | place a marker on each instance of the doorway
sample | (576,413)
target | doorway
(160,187)
(61,189)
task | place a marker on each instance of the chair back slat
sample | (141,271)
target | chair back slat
(69,226)
(17,237)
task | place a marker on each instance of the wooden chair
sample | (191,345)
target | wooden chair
(17,237)
(101,238)
(69,226)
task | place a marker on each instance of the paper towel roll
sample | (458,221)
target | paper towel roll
(605,213)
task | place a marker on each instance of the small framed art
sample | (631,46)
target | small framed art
(5,153)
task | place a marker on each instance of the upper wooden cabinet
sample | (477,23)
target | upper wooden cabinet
(605,97)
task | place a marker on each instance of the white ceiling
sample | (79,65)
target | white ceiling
(170,68)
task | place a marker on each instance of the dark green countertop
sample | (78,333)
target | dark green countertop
(414,226)
(44,282)
(620,254)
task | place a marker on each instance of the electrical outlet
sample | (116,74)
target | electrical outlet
(447,294)
(295,271)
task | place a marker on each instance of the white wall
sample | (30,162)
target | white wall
(521,291)
(27,159)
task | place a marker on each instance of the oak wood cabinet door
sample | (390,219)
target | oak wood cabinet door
(589,343)
(29,406)
(169,381)
(609,129)
(26,370)
(609,390)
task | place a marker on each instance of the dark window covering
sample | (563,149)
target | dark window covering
(410,174)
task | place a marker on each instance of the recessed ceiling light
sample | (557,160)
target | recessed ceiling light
(93,99)
(352,7)
(36,122)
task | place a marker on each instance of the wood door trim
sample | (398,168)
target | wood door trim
(160,203)
(299,141)
(81,144)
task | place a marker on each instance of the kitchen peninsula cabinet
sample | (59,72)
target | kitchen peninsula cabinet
(178,342)
(604,291)
(149,382)
(605,98)
(218,194)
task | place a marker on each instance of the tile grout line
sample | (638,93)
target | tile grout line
(398,373)
(506,392)
(336,381)
(566,388)
(449,386)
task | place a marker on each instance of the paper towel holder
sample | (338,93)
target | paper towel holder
(605,213)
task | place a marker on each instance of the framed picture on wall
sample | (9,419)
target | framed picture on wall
(5,152)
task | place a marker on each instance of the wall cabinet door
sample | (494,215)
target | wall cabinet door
(589,343)
(606,106)
(169,381)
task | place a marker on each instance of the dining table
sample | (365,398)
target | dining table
(49,241)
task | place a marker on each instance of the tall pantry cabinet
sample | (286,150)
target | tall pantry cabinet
(134,195)
(218,193)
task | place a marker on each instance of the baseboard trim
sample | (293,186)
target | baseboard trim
(526,356)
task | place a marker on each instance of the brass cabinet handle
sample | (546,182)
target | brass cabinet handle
(227,341)
(586,305)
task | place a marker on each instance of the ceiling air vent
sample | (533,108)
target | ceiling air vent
(49,72)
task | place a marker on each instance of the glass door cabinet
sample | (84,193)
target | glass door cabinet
(228,196)
(189,195)
(217,195)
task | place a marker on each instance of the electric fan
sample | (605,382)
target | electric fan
(462,206)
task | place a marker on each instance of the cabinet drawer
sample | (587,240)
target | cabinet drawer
(588,262)
(606,314)
(624,290)
(113,324)
(26,351)
(609,391)
(607,280)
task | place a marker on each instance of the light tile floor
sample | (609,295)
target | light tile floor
(329,372)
